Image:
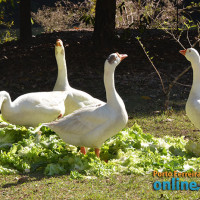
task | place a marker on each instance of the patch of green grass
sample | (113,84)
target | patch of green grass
(161,124)
(115,187)
(153,119)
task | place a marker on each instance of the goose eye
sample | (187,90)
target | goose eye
(111,59)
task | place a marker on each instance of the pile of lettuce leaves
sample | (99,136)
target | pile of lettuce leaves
(22,150)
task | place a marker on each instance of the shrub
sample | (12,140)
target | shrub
(143,14)
(5,22)
(65,15)
(146,13)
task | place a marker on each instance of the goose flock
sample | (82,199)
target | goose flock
(77,117)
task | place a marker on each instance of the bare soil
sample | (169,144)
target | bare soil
(31,67)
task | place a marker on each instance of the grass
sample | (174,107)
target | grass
(115,187)
(149,114)
(161,124)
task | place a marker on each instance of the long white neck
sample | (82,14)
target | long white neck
(62,79)
(196,77)
(111,94)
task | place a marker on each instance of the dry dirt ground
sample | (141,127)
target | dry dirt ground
(30,67)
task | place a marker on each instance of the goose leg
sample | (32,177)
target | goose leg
(83,150)
(59,116)
(97,152)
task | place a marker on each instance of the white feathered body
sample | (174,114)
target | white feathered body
(33,108)
(193,108)
(193,102)
(90,126)
(76,98)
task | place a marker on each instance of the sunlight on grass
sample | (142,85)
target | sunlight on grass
(161,124)
(114,187)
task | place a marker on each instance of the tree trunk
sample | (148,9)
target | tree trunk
(25,20)
(104,28)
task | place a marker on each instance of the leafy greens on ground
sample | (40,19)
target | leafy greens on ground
(129,152)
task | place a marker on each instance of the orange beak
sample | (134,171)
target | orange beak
(58,43)
(183,52)
(122,56)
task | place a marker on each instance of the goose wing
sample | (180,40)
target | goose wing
(81,122)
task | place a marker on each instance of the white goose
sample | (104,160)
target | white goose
(193,102)
(92,125)
(32,108)
(62,83)
(76,98)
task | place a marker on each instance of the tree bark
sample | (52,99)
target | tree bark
(104,28)
(25,20)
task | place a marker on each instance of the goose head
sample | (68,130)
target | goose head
(3,95)
(59,48)
(114,59)
(191,54)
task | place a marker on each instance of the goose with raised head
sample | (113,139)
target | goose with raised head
(193,102)
(31,109)
(76,98)
(62,83)
(92,125)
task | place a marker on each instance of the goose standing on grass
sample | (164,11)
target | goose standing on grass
(92,125)
(193,102)
(76,98)
(33,108)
